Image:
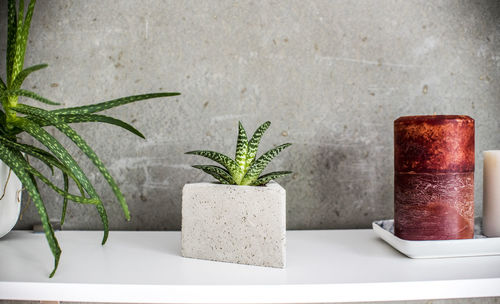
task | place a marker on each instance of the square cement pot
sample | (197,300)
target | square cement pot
(237,224)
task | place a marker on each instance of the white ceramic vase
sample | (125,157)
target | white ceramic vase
(10,202)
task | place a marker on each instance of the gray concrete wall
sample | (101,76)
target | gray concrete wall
(331,75)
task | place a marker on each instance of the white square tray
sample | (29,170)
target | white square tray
(479,245)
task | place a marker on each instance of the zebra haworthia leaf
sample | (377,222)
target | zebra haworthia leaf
(219,173)
(264,179)
(245,170)
(253,144)
(241,152)
(260,164)
(220,158)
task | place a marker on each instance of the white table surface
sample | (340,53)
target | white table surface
(322,266)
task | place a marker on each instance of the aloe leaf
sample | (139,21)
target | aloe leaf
(219,173)
(38,153)
(65,200)
(220,158)
(264,179)
(16,84)
(17,65)
(72,118)
(3,86)
(45,157)
(98,107)
(63,193)
(11,38)
(22,35)
(31,95)
(60,152)
(78,118)
(260,164)
(253,144)
(18,164)
(241,152)
(78,140)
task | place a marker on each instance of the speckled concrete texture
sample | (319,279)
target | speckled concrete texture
(332,76)
(237,224)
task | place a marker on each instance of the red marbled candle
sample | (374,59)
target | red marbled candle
(434,177)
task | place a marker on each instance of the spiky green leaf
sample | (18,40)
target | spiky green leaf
(60,152)
(260,164)
(220,158)
(22,35)
(44,156)
(11,38)
(78,140)
(31,95)
(98,107)
(17,163)
(264,179)
(16,84)
(3,86)
(72,118)
(65,200)
(38,153)
(221,174)
(253,144)
(17,66)
(61,192)
(241,152)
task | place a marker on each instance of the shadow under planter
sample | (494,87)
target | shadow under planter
(237,224)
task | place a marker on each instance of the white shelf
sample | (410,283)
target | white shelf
(322,266)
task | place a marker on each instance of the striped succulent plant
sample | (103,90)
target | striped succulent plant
(17,118)
(245,170)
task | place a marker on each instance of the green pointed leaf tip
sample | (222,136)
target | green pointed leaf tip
(221,159)
(261,163)
(264,179)
(222,175)
(241,153)
(98,107)
(245,170)
(253,145)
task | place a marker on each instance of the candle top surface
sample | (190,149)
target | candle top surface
(434,144)
(432,118)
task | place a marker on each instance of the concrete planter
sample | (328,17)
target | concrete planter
(237,224)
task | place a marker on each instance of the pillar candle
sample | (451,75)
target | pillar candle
(491,193)
(434,177)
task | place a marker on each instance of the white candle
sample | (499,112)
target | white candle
(491,193)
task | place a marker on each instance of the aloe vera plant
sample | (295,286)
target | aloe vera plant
(246,168)
(17,118)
